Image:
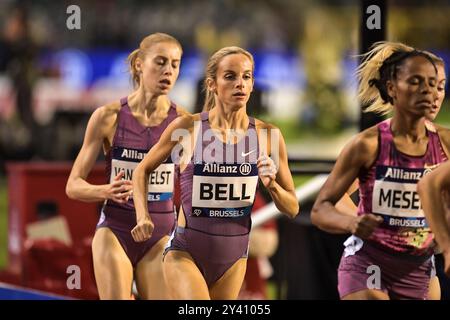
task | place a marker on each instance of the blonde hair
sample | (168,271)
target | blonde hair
(144,47)
(211,70)
(379,65)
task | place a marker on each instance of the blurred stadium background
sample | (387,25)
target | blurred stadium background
(52,78)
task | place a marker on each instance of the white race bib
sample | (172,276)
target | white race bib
(223,190)
(395,196)
(160,181)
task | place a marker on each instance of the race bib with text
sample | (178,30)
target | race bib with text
(223,190)
(160,182)
(395,196)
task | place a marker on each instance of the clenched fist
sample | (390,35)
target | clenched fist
(119,190)
(143,230)
(267,170)
(364,225)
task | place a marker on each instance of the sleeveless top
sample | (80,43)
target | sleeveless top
(218,186)
(131,143)
(389,189)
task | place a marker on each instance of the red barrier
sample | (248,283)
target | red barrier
(36,191)
(49,262)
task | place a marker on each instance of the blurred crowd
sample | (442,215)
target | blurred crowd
(319,37)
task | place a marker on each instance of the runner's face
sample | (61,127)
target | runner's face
(441,80)
(415,89)
(161,67)
(234,80)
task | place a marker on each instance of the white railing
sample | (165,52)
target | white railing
(303,193)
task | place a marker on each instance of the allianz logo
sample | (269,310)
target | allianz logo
(397,173)
(132,154)
(244,168)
